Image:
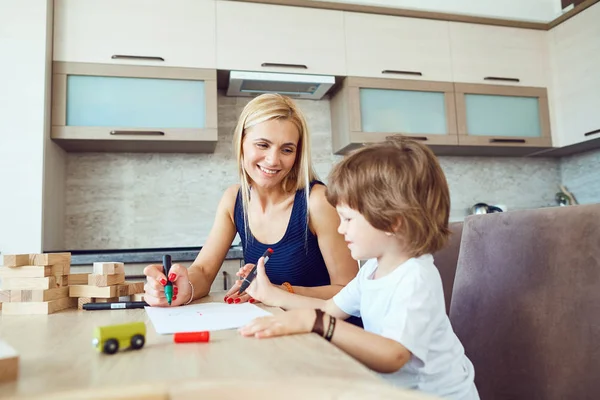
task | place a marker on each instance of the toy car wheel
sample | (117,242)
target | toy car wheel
(137,342)
(111,346)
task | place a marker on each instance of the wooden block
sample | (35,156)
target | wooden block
(78,279)
(107,300)
(83,300)
(136,287)
(39,295)
(4,297)
(15,260)
(34,271)
(39,308)
(109,268)
(9,363)
(129,288)
(92,291)
(137,297)
(28,283)
(105,280)
(50,259)
(62,280)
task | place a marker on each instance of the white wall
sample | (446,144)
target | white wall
(24,80)
(528,10)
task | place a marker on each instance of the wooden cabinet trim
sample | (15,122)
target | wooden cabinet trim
(369,9)
(135,71)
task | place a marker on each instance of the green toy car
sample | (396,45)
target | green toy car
(108,339)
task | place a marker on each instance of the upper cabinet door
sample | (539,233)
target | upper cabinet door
(576,73)
(171,33)
(499,55)
(382,46)
(264,37)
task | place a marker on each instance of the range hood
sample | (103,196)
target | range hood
(298,86)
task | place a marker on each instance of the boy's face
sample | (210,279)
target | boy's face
(363,240)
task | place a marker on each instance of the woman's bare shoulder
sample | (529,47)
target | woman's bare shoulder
(317,201)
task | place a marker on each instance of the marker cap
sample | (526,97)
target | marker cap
(191,337)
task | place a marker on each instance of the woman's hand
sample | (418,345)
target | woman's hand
(287,323)
(232,295)
(154,290)
(261,289)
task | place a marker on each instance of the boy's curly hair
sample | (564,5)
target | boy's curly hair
(398,186)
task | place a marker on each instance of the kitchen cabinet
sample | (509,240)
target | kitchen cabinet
(264,37)
(176,33)
(381,46)
(575,48)
(451,118)
(503,116)
(499,55)
(125,108)
(367,110)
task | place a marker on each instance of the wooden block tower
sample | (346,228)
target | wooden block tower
(105,284)
(36,283)
(9,363)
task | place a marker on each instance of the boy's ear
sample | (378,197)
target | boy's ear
(397,226)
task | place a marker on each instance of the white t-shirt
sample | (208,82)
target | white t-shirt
(407,305)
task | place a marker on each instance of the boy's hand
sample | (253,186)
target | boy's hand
(287,323)
(261,288)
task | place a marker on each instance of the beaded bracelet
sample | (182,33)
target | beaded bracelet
(192,296)
(330,328)
(288,286)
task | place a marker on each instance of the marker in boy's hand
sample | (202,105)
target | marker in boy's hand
(249,274)
(250,277)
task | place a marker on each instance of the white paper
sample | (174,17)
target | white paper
(203,317)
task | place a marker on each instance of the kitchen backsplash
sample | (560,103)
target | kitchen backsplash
(580,174)
(116,200)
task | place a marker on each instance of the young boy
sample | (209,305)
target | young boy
(393,201)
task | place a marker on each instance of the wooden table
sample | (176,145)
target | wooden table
(57,360)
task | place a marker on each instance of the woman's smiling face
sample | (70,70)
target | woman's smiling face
(270,150)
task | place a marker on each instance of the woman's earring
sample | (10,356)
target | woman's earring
(390,234)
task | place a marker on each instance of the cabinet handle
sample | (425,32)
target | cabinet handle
(302,66)
(592,133)
(421,138)
(148,58)
(507,140)
(393,71)
(224,280)
(139,133)
(499,78)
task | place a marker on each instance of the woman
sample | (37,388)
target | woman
(279,204)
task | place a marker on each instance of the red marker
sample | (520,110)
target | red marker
(191,337)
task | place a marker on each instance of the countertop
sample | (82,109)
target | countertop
(86,257)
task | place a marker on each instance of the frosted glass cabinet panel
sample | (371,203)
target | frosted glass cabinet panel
(369,110)
(135,102)
(502,115)
(98,107)
(403,111)
(494,115)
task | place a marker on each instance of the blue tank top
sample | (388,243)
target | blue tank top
(296,258)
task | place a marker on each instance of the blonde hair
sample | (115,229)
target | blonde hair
(396,183)
(264,108)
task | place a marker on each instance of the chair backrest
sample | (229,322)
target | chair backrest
(526,303)
(446,260)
